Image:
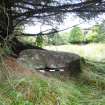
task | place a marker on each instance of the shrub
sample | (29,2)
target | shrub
(76,35)
(91,37)
(57,39)
(39,41)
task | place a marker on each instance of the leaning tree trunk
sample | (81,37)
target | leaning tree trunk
(7,28)
(18,46)
(6,21)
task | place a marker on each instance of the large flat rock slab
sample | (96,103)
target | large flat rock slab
(41,59)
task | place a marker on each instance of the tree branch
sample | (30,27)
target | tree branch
(79,7)
(51,31)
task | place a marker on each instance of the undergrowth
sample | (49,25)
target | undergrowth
(87,89)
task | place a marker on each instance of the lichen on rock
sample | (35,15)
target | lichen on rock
(40,59)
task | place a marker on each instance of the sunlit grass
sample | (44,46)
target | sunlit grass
(91,51)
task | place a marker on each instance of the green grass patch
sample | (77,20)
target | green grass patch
(87,89)
(91,51)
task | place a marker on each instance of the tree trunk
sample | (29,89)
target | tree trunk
(7,29)
(6,25)
(18,46)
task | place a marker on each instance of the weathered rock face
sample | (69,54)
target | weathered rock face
(40,59)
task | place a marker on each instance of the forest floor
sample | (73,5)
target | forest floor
(22,86)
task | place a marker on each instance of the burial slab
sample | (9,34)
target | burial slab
(37,59)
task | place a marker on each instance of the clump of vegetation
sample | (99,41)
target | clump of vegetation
(57,39)
(39,41)
(101,32)
(76,35)
(92,34)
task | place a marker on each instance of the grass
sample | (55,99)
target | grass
(86,89)
(91,51)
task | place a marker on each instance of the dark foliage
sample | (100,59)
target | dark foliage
(14,13)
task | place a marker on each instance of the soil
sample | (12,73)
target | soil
(14,67)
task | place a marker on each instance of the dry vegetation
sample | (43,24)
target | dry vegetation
(22,86)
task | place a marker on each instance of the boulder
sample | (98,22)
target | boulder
(44,59)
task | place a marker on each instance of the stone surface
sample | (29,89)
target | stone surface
(40,59)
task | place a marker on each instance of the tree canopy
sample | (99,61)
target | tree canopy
(14,13)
